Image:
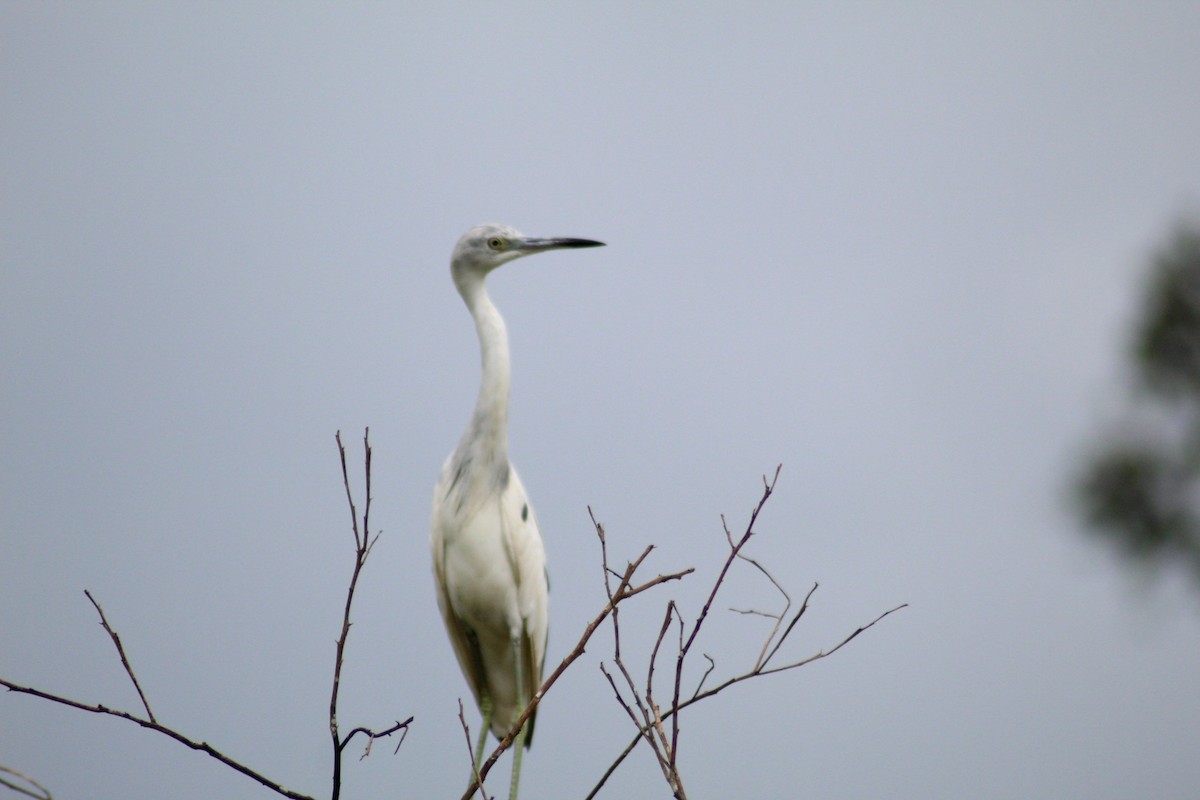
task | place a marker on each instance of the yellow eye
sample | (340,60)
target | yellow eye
(495,243)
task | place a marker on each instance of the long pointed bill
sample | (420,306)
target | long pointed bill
(540,245)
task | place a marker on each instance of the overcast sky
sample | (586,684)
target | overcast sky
(895,247)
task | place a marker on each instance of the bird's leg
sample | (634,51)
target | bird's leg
(519,743)
(485,706)
(519,748)
(485,700)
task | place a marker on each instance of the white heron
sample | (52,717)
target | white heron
(488,560)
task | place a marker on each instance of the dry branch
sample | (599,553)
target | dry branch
(625,589)
(651,728)
(203,747)
(649,718)
(116,640)
(462,718)
(363,543)
(41,793)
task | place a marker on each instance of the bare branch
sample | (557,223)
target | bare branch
(373,735)
(363,542)
(625,589)
(662,634)
(44,792)
(613,766)
(643,726)
(711,666)
(730,682)
(203,747)
(831,651)
(777,617)
(646,706)
(116,640)
(674,779)
(470,753)
(349,495)
(783,636)
(650,584)
(651,728)
(734,549)
(754,612)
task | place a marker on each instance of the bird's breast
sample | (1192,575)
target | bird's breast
(479,577)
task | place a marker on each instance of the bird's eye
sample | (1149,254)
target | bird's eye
(495,243)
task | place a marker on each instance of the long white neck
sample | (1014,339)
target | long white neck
(487,436)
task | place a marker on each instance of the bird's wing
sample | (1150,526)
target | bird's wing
(466,648)
(527,556)
(532,683)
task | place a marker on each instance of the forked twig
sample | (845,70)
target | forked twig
(470,752)
(116,640)
(373,735)
(363,542)
(711,666)
(203,747)
(625,589)
(650,728)
(787,606)
(44,792)
(730,682)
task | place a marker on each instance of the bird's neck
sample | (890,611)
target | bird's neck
(489,425)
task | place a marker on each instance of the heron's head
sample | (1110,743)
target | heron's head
(485,247)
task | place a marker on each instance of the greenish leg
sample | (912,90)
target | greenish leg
(519,748)
(485,706)
(519,743)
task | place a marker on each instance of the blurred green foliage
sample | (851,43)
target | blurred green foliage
(1140,490)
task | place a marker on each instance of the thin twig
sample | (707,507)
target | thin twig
(754,612)
(783,636)
(667,761)
(651,726)
(662,633)
(643,706)
(349,495)
(711,666)
(645,726)
(651,729)
(625,589)
(730,682)
(673,778)
(823,653)
(373,735)
(768,489)
(470,751)
(345,632)
(203,747)
(777,617)
(116,640)
(613,766)
(608,572)
(45,793)
(363,542)
(676,782)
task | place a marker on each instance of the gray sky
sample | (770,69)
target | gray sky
(896,248)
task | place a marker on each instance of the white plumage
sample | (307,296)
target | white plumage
(488,560)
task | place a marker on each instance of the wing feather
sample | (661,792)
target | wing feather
(466,646)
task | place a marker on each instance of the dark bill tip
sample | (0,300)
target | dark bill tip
(577,243)
(554,244)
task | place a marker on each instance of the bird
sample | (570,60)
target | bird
(489,562)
